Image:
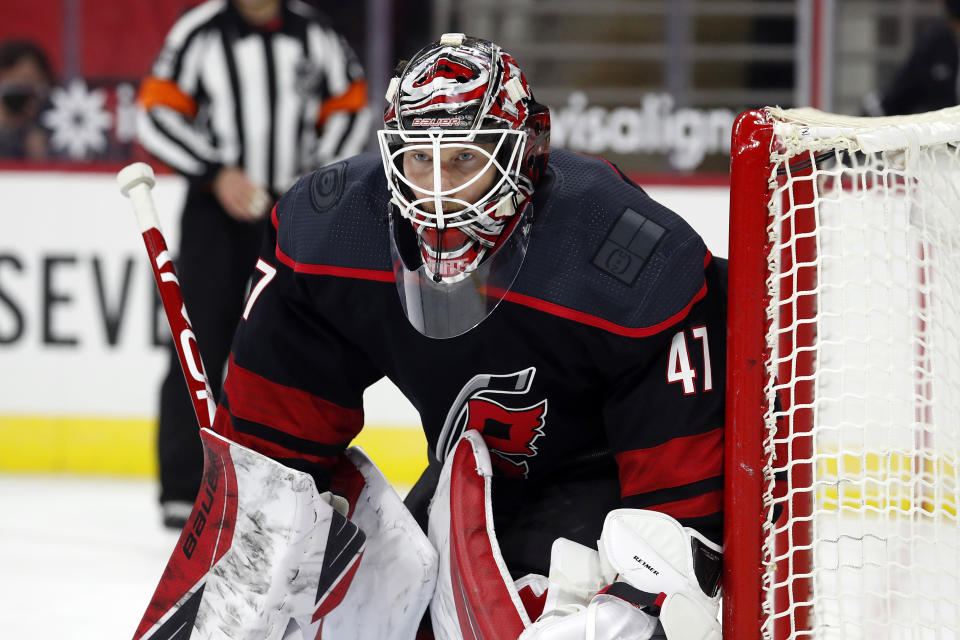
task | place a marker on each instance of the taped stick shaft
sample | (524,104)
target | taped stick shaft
(184,339)
(136,180)
(143,207)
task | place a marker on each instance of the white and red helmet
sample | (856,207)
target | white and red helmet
(466,94)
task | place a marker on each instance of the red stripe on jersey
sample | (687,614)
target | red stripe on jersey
(695,507)
(293,411)
(330,270)
(688,459)
(601,323)
(606,325)
(224,426)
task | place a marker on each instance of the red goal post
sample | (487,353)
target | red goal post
(842,454)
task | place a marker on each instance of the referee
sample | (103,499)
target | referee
(244,97)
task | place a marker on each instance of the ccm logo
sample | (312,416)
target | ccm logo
(437,122)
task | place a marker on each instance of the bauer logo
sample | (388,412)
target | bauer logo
(438,122)
(201,510)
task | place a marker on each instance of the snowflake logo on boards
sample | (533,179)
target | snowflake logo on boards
(79,119)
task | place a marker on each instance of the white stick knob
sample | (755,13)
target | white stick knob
(136,181)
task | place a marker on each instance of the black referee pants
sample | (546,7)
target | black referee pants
(217,255)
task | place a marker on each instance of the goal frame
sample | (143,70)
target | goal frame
(746,450)
(779,163)
(746,329)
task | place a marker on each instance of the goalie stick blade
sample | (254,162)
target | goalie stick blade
(204,540)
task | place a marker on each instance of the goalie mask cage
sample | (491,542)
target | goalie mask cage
(843,405)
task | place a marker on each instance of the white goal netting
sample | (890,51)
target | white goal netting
(863,379)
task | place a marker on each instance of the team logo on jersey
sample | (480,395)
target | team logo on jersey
(498,408)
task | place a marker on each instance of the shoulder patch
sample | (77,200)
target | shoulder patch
(326,186)
(628,246)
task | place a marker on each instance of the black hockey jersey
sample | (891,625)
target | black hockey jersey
(607,353)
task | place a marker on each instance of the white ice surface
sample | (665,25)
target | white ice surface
(79,557)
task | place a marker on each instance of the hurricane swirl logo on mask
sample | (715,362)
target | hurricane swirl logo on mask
(444,67)
(500,409)
(441,79)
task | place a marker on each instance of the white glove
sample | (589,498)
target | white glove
(648,558)
(574,611)
(653,553)
(605,618)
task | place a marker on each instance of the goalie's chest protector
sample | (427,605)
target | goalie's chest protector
(607,274)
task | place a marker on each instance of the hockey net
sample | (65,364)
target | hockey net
(843,406)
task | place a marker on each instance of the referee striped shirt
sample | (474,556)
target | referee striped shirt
(275,100)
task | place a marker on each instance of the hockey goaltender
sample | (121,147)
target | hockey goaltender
(562,337)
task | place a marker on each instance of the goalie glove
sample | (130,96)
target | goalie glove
(656,571)
(653,555)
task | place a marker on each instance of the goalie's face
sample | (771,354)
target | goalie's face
(449,179)
(451,193)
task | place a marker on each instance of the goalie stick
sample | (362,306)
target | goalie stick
(136,181)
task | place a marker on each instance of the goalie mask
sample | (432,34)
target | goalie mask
(464,144)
